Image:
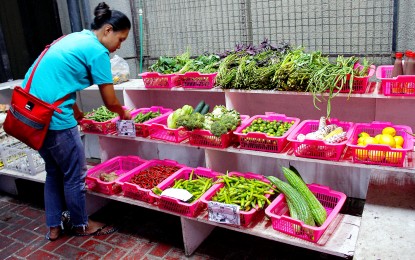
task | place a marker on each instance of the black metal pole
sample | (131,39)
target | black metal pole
(395,25)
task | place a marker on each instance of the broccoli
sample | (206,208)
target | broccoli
(225,123)
(192,121)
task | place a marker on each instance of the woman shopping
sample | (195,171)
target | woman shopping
(71,64)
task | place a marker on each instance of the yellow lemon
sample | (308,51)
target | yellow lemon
(369,140)
(376,156)
(389,131)
(393,157)
(388,140)
(399,140)
(377,137)
(398,147)
(361,139)
(363,134)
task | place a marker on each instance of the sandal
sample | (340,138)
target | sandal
(53,230)
(104,230)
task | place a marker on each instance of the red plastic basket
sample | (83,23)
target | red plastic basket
(246,217)
(194,80)
(187,209)
(159,130)
(157,80)
(376,153)
(359,83)
(119,165)
(134,191)
(318,149)
(261,141)
(141,129)
(278,211)
(205,138)
(403,85)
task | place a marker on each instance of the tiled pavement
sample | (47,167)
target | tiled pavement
(143,234)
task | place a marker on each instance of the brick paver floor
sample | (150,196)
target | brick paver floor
(143,234)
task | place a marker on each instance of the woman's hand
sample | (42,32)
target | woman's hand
(77,113)
(126,115)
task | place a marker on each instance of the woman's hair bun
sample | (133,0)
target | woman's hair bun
(102,11)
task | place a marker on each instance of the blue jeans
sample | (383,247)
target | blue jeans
(65,188)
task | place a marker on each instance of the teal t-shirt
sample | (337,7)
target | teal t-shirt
(74,63)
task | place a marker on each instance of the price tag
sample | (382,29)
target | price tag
(224,213)
(180,194)
(126,128)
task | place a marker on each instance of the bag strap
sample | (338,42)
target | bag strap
(29,81)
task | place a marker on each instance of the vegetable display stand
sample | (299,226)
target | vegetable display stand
(150,174)
(380,154)
(402,85)
(157,80)
(159,130)
(279,214)
(114,169)
(360,83)
(141,129)
(195,80)
(205,138)
(21,158)
(318,149)
(190,209)
(246,217)
(261,141)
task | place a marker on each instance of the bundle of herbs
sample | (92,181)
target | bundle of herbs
(169,65)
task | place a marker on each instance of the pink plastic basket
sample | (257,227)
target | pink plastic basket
(403,85)
(205,138)
(92,126)
(141,129)
(376,153)
(359,83)
(157,80)
(119,165)
(246,217)
(278,211)
(134,191)
(318,149)
(194,80)
(261,141)
(187,209)
(159,130)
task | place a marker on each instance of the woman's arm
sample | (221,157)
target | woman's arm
(111,101)
(77,113)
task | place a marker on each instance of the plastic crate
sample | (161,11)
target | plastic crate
(141,129)
(376,153)
(318,149)
(19,157)
(157,80)
(279,214)
(195,80)
(134,191)
(403,85)
(246,217)
(360,84)
(106,127)
(261,141)
(187,209)
(159,130)
(205,138)
(119,165)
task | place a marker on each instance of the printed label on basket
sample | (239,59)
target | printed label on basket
(126,128)
(224,213)
(180,194)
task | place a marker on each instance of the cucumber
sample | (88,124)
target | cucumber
(205,109)
(199,107)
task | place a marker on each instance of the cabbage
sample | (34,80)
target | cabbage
(187,110)
(171,120)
